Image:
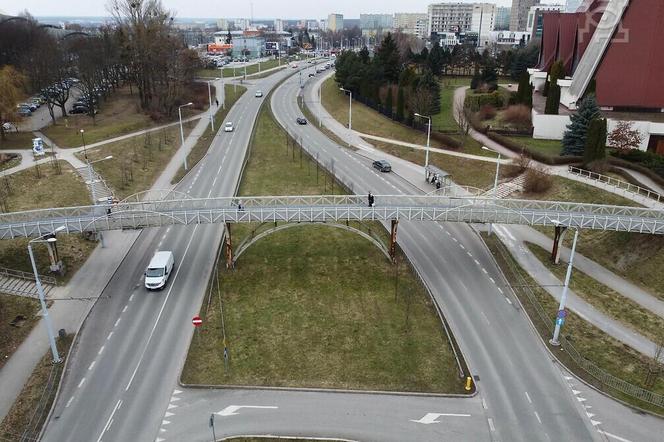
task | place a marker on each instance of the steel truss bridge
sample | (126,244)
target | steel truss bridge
(329,208)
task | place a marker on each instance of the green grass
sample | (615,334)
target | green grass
(31,407)
(119,115)
(445,119)
(369,121)
(605,299)
(463,171)
(12,162)
(232,94)
(137,161)
(564,189)
(12,306)
(609,354)
(315,306)
(550,148)
(17,140)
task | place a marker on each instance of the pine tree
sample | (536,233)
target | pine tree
(595,148)
(574,140)
(553,96)
(525,89)
(400,104)
(389,105)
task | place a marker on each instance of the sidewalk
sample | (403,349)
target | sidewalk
(528,261)
(88,282)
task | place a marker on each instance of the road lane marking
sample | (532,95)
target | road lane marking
(477,262)
(508,300)
(125,308)
(80,384)
(462,247)
(486,319)
(538,418)
(109,336)
(484,404)
(92,365)
(131,298)
(117,322)
(69,402)
(500,290)
(491,424)
(528,397)
(492,280)
(484,270)
(163,306)
(101,350)
(613,436)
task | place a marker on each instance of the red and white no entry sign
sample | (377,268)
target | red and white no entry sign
(197,321)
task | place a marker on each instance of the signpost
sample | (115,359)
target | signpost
(38,147)
(197,321)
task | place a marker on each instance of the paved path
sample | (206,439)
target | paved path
(88,282)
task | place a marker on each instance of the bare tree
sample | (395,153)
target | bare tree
(655,364)
(624,137)
(462,117)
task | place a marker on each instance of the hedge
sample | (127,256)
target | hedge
(475,102)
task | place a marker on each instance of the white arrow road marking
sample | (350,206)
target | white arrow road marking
(231,410)
(169,414)
(595,423)
(430,418)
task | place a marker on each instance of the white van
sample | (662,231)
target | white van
(158,271)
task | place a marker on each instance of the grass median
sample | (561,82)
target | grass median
(607,353)
(232,94)
(239,70)
(315,306)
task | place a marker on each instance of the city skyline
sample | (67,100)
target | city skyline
(262,9)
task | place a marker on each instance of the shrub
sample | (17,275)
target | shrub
(536,181)
(518,115)
(475,101)
(487,112)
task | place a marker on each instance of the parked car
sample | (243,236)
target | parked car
(31,106)
(79,110)
(311,74)
(9,127)
(229,127)
(301,120)
(258,94)
(382,165)
(24,112)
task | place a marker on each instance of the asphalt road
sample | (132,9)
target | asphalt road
(133,344)
(524,392)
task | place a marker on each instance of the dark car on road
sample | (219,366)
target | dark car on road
(301,120)
(382,165)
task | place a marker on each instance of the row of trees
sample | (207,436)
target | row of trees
(141,47)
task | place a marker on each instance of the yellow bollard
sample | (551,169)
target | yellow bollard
(469,382)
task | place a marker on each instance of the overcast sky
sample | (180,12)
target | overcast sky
(231,8)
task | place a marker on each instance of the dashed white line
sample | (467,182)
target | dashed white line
(528,397)
(69,402)
(455,240)
(125,308)
(117,322)
(132,296)
(486,319)
(484,270)
(492,280)
(80,384)
(484,404)
(92,365)
(538,418)
(508,300)
(500,290)
(101,350)
(109,336)
(469,254)
(491,424)
(462,247)
(477,262)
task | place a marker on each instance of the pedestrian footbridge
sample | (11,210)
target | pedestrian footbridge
(329,208)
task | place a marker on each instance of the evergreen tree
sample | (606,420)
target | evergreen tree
(435,59)
(389,105)
(489,77)
(553,97)
(386,57)
(400,104)
(595,148)
(364,55)
(574,140)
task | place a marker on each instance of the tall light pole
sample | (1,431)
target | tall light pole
(350,108)
(320,106)
(182,131)
(40,290)
(85,153)
(495,181)
(210,100)
(426,157)
(560,317)
(223,89)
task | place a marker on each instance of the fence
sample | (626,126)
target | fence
(546,320)
(19,274)
(619,184)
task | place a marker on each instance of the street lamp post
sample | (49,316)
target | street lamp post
(560,317)
(495,181)
(210,99)
(350,108)
(426,157)
(223,101)
(40,290)
(182,131)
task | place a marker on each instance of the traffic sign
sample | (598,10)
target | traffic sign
(562,314)
(560,321)
(197,321)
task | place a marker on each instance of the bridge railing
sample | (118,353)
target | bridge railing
(619,184)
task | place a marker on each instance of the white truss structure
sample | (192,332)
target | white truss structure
(324,208)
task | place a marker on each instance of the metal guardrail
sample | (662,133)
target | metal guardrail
(619,184)
(19,274)
(547,320)
(321,208)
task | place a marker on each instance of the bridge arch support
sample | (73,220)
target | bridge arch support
(232,257)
